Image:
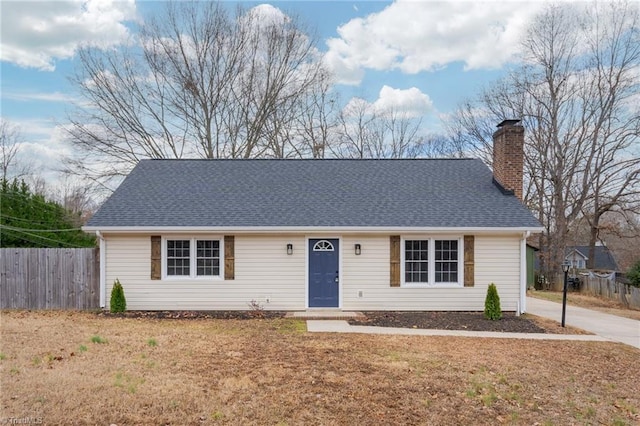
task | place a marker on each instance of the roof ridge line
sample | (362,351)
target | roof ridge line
(308,159)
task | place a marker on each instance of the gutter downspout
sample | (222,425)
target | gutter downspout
(523,273)
(103,272)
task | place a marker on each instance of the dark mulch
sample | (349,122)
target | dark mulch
(235,315)
(473,321)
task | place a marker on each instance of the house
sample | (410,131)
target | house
(408,234)
(578,256)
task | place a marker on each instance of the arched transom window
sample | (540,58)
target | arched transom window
(323,245)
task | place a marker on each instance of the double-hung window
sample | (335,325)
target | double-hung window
(192,257)
(178,258)
(431,261)
(416,261)
(207,257)
(446,261)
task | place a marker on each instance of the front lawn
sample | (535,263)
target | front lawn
(82,368)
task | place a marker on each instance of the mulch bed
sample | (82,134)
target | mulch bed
(231,315)
(472,321)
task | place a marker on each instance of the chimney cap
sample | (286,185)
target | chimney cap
(511,122)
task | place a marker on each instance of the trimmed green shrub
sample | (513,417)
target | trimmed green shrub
(634,274)
(492,309)
(118,301)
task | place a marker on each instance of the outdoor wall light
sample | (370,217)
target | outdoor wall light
(358,249)
(289,249)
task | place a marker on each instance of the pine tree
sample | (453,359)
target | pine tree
(29,220)
(492,309)
(634,274)
(118,301)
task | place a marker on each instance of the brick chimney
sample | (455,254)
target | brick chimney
(508,156)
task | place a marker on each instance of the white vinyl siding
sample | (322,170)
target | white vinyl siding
(366,278)
(577,260)
(263,271)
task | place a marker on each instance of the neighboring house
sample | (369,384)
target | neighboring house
(298,234)
(578,256)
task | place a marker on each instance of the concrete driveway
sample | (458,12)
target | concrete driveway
(618,329)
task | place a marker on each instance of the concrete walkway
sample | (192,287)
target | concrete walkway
(339,326)
(610,327)
(606,327)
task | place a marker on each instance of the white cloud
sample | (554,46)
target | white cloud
(42,147)
(422,36)
(357,107)
(267,14)
(347,71)
(35,35)
(411,101)
(39,96)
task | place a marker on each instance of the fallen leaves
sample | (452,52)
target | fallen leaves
(238,371)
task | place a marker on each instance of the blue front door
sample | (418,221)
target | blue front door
(324,274)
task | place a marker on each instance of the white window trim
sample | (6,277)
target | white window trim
(432,261)
(192,258)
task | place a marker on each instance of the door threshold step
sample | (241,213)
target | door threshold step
(320,314)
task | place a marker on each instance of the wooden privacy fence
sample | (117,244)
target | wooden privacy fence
(49,278)
(607,286)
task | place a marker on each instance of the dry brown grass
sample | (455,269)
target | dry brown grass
(601,304)
(273,372)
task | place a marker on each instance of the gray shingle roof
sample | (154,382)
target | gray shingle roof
(311,193)
(603,258)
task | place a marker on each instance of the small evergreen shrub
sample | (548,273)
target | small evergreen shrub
(492,309)
(118,301)
(634,275)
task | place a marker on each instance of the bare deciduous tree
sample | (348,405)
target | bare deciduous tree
(619,230)
(354,136)
(199,82)
(364,131)
(12,166)
(316,123)
(577,93)
(613,107)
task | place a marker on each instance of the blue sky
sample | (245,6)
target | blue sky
(425,56)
